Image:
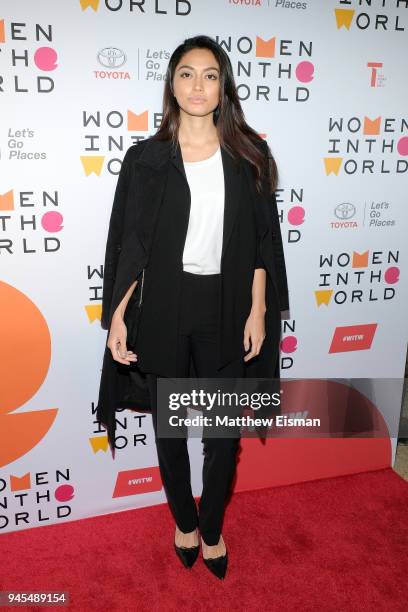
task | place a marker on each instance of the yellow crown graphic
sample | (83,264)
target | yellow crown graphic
(92,163)
(94,4)
(344,17)
(323,296)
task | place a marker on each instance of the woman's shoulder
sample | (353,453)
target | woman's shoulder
(263,145)
(136,149)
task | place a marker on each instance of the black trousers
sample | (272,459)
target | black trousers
(197,340)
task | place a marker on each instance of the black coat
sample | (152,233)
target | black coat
(147,231)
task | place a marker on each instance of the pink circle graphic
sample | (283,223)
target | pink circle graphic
(64,493)
(402,145)
(45,58)
(52,221)
(289,344)
(296,215)
(304,72)
(391,275)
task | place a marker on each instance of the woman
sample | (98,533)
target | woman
(194,276)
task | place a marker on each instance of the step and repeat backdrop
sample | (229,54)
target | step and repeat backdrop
(80,81)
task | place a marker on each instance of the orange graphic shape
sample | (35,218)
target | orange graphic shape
(2,33)
(20,483)
(20,432)
(25,353)
(7,200)
(138,123)
(25,348)
(265,48)
(372,127)
(360,260)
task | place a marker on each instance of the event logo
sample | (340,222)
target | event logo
(112,59)
(368,17)
(357,278)
(367,146)
(377,78)
(25,230)
(270,69)
(141,7)
(288,344)
(129,432)
(21,47)
(375,215)
(344,213)
(32,499)
(345,210)
(151,64)
(22,324)
(134,482)
(352,338)
(105,133)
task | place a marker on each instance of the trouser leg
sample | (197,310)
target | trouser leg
(174,465)
(219,463)
(198,340)
(219,467)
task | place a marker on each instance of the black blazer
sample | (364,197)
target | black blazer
(152,172)
(138,195)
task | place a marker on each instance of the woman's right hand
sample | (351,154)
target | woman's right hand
(117,341)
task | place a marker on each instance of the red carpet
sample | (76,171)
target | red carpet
(339,544)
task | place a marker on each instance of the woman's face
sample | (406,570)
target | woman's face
(196,82)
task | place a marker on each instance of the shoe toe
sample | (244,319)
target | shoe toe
(217,565)
(187,556)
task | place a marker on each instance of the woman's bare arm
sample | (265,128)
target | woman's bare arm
(254,332)
(120,310)
(118,332)
(258,291)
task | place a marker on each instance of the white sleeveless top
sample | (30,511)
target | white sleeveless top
(202,249)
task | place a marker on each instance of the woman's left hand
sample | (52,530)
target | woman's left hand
(254,333)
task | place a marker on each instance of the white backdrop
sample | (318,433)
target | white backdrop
(323,81)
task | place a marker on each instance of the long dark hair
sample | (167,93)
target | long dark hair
(233,131)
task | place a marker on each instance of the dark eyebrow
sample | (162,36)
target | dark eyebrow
(191,67)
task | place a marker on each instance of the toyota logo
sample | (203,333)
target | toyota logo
(345,210)
(111,57)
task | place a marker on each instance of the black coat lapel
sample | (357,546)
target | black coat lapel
(151,169)
(160,151)
(232,183)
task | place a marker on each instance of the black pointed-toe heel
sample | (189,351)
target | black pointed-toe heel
(218,565)
(187,555)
